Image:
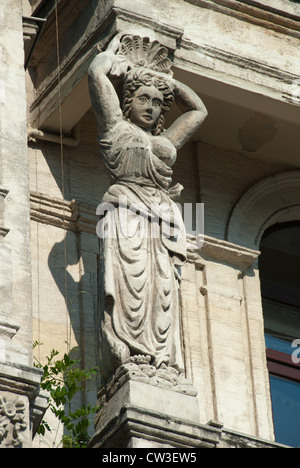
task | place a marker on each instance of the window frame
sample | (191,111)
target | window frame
(281,365)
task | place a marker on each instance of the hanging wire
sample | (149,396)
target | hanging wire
(68,324)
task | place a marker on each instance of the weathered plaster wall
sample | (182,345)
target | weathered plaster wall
(15,267)
(19,381)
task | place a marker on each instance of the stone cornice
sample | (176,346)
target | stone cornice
(238,71)
(52,211)
(253,12)
(8,327)
(133,421)
(173,33)
(212,249)
(31,28)
(68,215)
(250,64)
(19,379)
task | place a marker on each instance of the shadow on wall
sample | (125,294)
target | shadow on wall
(75,273)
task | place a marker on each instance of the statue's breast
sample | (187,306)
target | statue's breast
(163,149)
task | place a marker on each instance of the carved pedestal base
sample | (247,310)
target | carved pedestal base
(140,370)
(159,411)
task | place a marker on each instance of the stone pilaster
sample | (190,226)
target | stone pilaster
(19,381)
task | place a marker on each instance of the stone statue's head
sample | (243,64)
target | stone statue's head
(147,97)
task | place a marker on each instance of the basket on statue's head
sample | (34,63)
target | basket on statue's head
(141,52)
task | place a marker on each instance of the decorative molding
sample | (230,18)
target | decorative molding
(218,250)
(19,379)
(12,422)
(69,215)
(253,12)
(158,430)
(80,217)
(283,215)
(31,29)
(216,63)
(132,422)
(12,418)
(174,33)
(8,327)
(86,218)
(165,377)
(52,211)
(273,200)
(250,64)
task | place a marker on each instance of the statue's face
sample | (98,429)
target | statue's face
(146,107)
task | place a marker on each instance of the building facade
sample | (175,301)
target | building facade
(240,300)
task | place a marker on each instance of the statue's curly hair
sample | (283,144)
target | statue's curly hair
(138,77)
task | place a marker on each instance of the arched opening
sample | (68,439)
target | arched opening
(279,266)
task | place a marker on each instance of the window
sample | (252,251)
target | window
(279,266)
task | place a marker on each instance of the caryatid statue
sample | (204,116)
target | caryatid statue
(140,260)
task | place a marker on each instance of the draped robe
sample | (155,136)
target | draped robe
(142,248)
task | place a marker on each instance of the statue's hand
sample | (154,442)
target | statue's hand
(119,67)
(114,44)
(108,64)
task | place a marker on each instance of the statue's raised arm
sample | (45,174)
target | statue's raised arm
(104,98)
(194,113)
